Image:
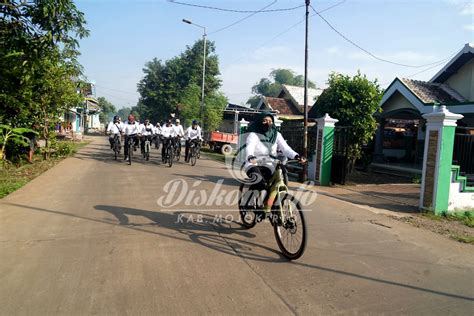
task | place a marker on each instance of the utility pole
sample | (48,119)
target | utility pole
(305,128)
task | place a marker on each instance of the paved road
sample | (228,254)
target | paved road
(88,237)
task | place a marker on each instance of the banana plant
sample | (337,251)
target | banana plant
(14,135)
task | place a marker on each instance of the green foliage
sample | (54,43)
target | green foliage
(13,136)
(190,101)
(271,87)
(353,101)
(170,87)
(214,110)
(107,110)
(38,61)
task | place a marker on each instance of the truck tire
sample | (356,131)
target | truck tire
(226,149)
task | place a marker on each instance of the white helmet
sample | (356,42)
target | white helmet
(178,121)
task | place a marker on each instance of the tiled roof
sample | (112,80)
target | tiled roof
(283,106)
(433,92)
(297,93)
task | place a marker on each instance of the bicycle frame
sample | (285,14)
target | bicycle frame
(275,188)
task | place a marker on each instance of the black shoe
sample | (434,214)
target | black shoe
(260,216)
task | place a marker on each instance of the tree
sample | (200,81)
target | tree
(107,110)
(353,101)
(38,61)
(172,84)
(271,87)
(123,113)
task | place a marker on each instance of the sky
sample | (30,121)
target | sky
(126,34)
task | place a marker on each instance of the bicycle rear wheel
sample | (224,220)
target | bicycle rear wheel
(247,205)
(290,232)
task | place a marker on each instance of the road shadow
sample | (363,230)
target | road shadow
(374,201)
(221,237)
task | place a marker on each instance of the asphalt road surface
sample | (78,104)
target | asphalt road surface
(97,236)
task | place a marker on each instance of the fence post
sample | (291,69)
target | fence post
(243,125)
(320,170)
(278,123)
(437,159)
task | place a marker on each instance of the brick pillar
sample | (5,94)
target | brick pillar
(437,159)
(320,170)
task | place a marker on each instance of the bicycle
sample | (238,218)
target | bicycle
(283,209)
(116,146)
(146,148)
(177,148)
(169,149)
(193,151)
(198,150)
(131,145)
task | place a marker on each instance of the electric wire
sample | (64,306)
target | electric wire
(289,29)
(117,90)
(243,19)
(234,10)
(369,53)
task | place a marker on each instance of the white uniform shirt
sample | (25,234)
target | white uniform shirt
(147,130)
(115,128)
(157,130)
(179,130)
(193,133)
(255,147)
(130,129)
(168,131)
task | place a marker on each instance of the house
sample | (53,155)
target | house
(401,133)
(289,103)
(84,116)
(233,113)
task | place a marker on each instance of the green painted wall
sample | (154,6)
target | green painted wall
(326,157)
(444,169)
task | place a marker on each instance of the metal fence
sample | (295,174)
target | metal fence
(463,153)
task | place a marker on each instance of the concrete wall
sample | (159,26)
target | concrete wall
(397,101)
(463,81)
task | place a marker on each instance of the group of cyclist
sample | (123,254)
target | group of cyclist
(139,133)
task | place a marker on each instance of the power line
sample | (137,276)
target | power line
(419,72)
(243,19)
(122,91)
(289,29)
(234,10)
(366,51)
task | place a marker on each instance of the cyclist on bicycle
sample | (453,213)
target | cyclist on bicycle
(264,141)
(168,132)
(114,128)
(179,133)
(131,130)
(147,131)
(156,137)
(193,133)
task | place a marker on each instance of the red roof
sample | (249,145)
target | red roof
(283,106)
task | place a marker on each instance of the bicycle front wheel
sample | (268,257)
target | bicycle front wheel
(147,151)
(170,157)
(290,228)
(130,153)
(193,157)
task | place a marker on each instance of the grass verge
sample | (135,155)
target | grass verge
(14,177)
